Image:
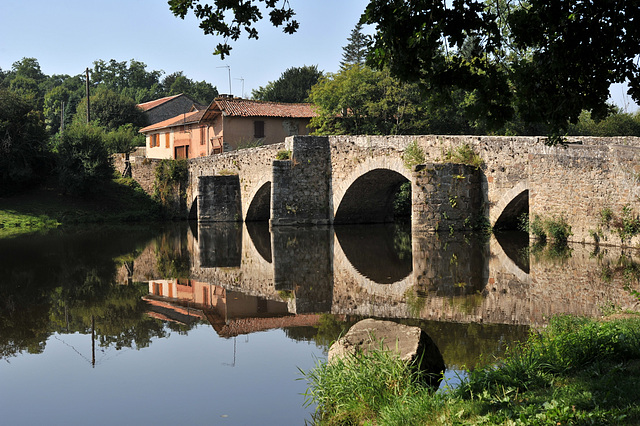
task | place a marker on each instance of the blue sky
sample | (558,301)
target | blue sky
(67,36)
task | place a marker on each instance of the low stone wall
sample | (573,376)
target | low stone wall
(143,170)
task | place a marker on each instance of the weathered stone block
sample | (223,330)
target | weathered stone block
(410,344)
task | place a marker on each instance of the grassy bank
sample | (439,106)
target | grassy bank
(576,371)
(46,207)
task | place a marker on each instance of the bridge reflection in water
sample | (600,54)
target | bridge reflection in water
(240,271)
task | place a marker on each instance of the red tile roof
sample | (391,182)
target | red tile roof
(146,106)
(246,108)
(236,107)
(181,120)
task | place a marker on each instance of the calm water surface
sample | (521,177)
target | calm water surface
(190,324)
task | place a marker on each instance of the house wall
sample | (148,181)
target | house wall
(197,138)
(239,131)
(161,151)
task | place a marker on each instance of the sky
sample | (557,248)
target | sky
(67,36)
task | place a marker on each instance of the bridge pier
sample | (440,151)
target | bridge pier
(219,199)
(446,197)
(300,193)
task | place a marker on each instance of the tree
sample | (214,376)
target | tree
(360,100)
(567,70)
(354,53)
(123,140)
(565,67)
(70,93)
(200,91)
(111,110)
(292,86)
(84,162)
(23,143)
(227,19)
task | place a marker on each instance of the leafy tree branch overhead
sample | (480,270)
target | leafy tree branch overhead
(227,19)
(539,61)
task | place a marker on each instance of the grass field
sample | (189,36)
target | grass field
(46,207)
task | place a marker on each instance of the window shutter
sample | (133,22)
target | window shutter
(258,129)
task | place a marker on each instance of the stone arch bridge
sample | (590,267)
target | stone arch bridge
(352,179)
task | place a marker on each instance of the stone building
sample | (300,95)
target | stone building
(164,108)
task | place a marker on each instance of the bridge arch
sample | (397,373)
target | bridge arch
(258,207)
(511,205)
(366,194)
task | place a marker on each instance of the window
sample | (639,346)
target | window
(167,140)
(153,140)
(258,129)
(203,135)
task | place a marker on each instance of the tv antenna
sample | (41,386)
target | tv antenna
(228,69)
(241,93)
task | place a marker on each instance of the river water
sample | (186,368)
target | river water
(188,324)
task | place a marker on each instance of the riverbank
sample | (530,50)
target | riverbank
(575,371)
(47,207)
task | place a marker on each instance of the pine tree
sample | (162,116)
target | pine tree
(356,50)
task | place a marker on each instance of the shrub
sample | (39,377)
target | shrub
(413,155)
(83,159)
(283,154)
(171,176)
(558,229)
(464,154)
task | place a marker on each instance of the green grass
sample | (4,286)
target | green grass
(46,207)
(577,371)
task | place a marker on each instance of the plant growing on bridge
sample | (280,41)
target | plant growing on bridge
(283,154)
(464,154)
(170,181)
(558,229)
(413,155)
(626,225)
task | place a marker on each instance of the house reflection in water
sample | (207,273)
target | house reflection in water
(230,312)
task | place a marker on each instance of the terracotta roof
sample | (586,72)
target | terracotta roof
(180,120)
(146,106)
(246,108)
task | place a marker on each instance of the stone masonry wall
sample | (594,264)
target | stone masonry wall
(446,197)
(578,182)
(300,192)
(253,166)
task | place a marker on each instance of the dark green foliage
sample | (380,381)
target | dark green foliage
(111,110)
(24,156)
(200,91)
(293,86)
(123,140)
(616,124)
(169,187)
(360,100)
(354,53)
(84,163)
(402,202)
(539,63)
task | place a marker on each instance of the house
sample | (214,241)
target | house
(227,124)
(162,109)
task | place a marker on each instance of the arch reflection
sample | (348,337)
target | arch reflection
(380,252)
